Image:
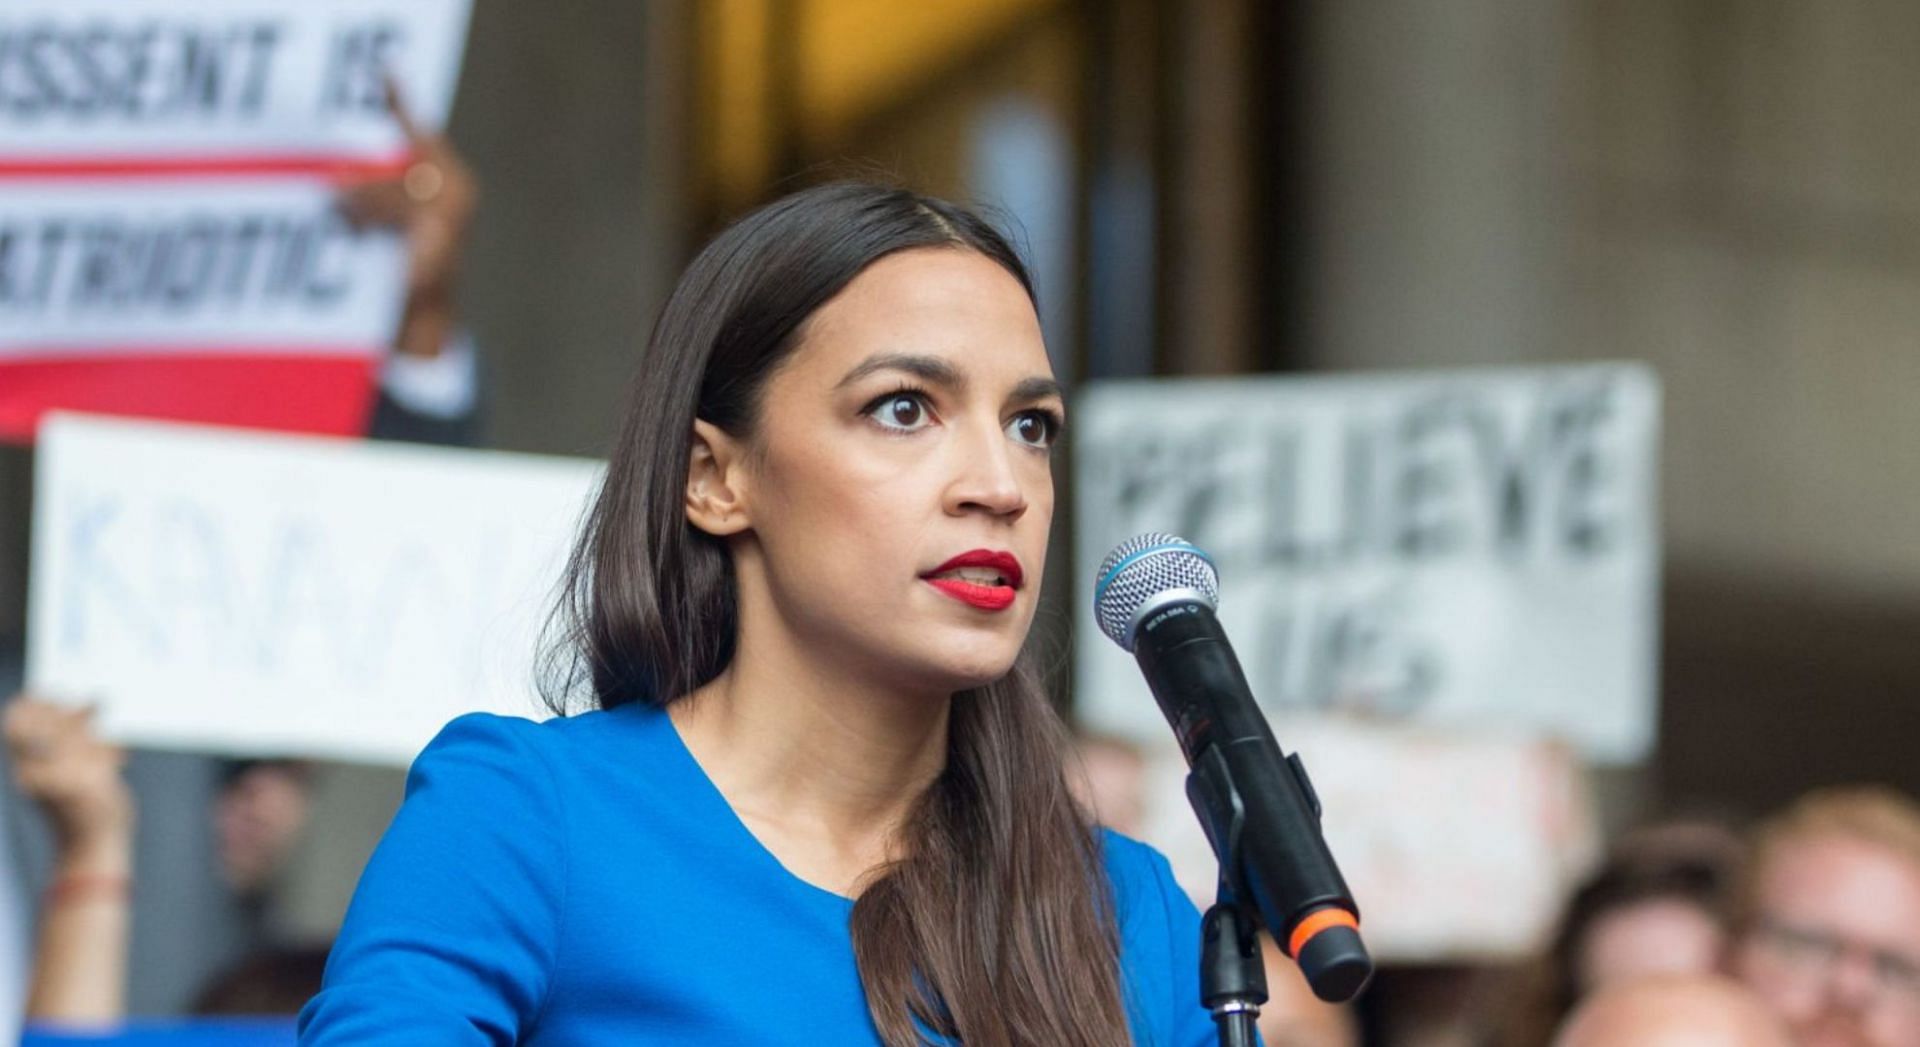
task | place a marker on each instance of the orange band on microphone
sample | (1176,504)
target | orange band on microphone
(1317,921)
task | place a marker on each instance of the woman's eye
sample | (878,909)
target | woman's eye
(902,411)
(1033,428)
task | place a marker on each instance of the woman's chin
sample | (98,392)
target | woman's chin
(965,671)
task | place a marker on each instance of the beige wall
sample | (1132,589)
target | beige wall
(1725,190)
(575,122)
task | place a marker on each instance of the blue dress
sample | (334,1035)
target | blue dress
(582,881)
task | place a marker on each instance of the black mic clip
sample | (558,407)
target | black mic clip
(1233,978)
(1332,958)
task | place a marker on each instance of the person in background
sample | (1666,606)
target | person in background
(272,981)
(80,960)
(429,383)
(80,956)
(1673,1011)
(1658,905)
(258,817)
(1829,918)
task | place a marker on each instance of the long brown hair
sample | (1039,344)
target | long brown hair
(996,927)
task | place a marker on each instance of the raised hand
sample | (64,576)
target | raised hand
(432,204)
(62,765)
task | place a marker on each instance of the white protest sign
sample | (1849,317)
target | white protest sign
(168,180)
(235,592)
(241,80)
(1456,847)
(125,268)
(1473,549)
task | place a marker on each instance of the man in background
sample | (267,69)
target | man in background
(1828,925)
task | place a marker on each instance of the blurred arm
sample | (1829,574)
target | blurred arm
(80,959)
(432,204)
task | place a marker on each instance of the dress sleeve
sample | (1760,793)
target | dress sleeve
(453,930)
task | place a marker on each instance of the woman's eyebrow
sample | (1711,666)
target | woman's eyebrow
(1036,388)
(940,372)
(927,368)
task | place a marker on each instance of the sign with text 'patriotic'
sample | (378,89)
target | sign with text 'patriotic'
(1468,550)
(169,242)
(247,593)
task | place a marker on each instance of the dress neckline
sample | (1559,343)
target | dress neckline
(708,794)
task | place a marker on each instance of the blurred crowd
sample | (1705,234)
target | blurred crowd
(1802,930)
(1806,931)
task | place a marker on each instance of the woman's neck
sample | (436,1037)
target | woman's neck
(821,763)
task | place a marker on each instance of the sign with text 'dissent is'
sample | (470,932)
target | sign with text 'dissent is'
(1473,550)
(170,244)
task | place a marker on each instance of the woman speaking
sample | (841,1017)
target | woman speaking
(820,798)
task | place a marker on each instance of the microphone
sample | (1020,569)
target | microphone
(1155,597)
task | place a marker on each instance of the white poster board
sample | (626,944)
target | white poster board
(148,82)
(1469,550)
(235,592)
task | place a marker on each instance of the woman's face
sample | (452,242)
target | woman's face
(1651,937)
(899,486)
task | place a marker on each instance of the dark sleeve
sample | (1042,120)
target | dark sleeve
(454,927)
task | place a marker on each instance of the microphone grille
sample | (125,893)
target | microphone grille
(1141,568)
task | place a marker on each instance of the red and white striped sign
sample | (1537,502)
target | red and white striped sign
(169,245)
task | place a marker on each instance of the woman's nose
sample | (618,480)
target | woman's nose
(1853,980)
(987,478)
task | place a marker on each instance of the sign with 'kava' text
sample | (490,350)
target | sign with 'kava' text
(1474,549)
(239,592)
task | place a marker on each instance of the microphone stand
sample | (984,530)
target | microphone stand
(1233,980)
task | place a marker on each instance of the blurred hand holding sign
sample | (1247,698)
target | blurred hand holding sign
(170,243)
(233,592)
(1457,573)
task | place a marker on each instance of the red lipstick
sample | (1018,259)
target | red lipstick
(995,596)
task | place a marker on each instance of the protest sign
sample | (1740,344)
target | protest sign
(244,593)
(169,244)
(1474,550)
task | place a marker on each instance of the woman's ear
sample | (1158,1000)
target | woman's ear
(716,481)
